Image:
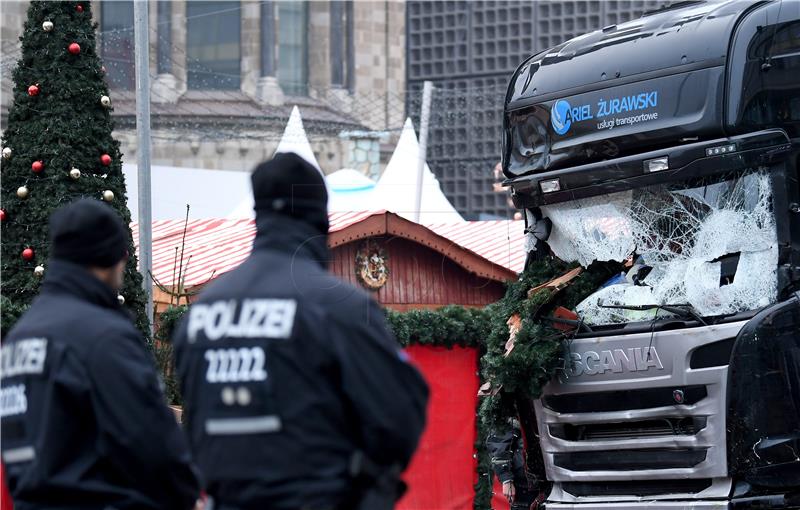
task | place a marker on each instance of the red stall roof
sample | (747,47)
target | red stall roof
(214,246)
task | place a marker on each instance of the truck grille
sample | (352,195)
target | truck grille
(607,401)
(610,434)
(681,426)
(630,460)
(634,488)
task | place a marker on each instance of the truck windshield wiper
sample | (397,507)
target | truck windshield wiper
(682,310)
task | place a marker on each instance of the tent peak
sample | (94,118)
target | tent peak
(294,139)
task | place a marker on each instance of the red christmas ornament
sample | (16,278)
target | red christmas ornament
(74,48)
(79,8)
(37,166)
(27,254)
(105,159)
(33,90)
(2,215)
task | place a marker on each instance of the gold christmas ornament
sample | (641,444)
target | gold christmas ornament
(38,271)
(108,195)
(75,173)
(121,299)
(47,26)
(22,192)
(105,101)
(6,152)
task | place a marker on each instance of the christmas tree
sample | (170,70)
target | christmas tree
(57,147)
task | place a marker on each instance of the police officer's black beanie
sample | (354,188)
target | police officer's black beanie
(89,233)
(290,185)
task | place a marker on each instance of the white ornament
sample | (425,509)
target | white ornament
(108,195)
(38,271)
(75,173)
(22,192)
(47,26)
(105,101)
(6,152)
(121,299)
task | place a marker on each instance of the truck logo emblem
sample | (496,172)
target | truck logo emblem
(678,396)
(632,359)
(560,116)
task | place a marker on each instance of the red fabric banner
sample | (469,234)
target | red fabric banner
(442,473)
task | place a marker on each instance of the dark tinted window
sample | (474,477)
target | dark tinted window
(213,48)
(771,95)
(292,47)
(117,43)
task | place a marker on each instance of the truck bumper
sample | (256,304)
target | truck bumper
(642,505)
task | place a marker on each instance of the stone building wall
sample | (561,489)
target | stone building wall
(234,130)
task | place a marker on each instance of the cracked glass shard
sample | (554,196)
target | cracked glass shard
(683,231)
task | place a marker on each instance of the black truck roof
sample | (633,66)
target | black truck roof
(682,36)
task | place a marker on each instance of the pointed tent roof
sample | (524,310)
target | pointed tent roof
(396,189)
(294,139)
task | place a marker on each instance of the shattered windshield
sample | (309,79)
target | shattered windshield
(711,244)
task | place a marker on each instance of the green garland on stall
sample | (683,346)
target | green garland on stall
(448,326)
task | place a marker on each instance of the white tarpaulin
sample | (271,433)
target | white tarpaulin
(396,189)
(210,193)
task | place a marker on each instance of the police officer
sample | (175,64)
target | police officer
(296,394)
(85,424)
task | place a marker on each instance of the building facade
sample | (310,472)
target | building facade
(469,49)
(226,74)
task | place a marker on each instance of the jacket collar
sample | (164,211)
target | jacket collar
(277,232)
(64,277)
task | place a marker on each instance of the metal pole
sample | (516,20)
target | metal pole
(143,149)
(424,120)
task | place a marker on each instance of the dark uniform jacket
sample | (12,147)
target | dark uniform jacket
(507,455)
(286,371)
(85,424)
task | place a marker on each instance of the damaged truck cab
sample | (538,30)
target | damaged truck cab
(672,141)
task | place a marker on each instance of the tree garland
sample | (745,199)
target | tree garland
(538,347)
(10,312)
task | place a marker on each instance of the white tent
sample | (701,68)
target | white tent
(349,191)
(397,188)
(294,139)
(210,193)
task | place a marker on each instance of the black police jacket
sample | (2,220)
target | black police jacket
(85,424)
(287,371)
(507,455)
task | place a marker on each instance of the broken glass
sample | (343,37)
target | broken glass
(711,244)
